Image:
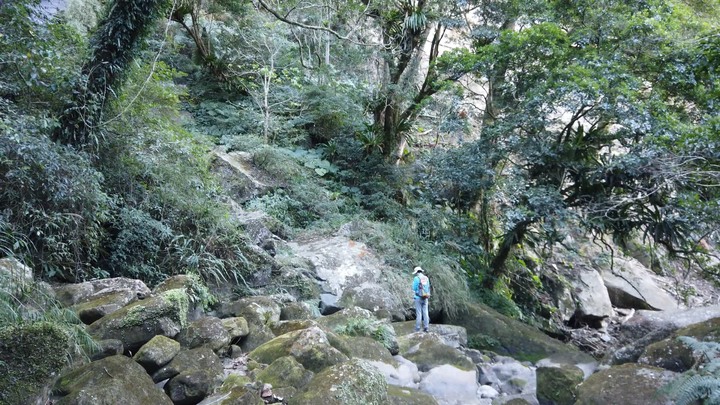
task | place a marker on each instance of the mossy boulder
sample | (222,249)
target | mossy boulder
(355,382)
(71,294)
(296,311)
(112,380)
(487,329)
(558,385)
(188,360)
(367,348)
(193,375)
(207,331)
(156,353)
(628,384)
(107,348)
(99,305)
(258,310)
(427,350)
(285,372)
(283,327)
(671,354)
(235,390)
(236,327)
(374,296)
(30,354)
(409,396)
(135,324)
(356,321)
(258,335)
(310,347)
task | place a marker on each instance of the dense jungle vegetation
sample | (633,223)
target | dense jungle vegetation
(455,132)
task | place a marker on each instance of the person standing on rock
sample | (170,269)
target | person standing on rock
(421,292)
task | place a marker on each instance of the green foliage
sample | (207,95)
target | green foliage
(114,45)
(703,382)
(39,58)
(53,197)
(38,337)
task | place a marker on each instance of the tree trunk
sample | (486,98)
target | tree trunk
(510,239)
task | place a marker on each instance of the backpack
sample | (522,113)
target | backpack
(423,286)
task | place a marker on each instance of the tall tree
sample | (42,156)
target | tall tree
(113,48)
(592,106)
(406,36)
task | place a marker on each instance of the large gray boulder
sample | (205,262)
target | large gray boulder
(632,285)
(71,294)
(135,324)
(353,275)
(258,310)
(112,380)
(592,301)
(103,303)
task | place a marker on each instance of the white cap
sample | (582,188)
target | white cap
(417,269)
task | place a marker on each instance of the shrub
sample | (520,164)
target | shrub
(53,196)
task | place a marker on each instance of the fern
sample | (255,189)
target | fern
(703,382)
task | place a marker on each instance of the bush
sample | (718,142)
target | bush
(52,195)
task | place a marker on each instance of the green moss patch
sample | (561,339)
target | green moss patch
(29,356)
(352,383)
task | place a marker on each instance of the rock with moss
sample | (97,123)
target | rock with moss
(409,396)
(188,360)
(558,385)
(258,335)
(310,347)
(135,324)
(362,347)
(193,374)
(427,350)
(258,310)
(296,311)
(156,353)
(355,382)
(375,297)
(628,384)
(487,329)
(107,348)
(671,354)
(98,305)
(283,327)
(71,294)
(207,331)
(452,335)
(30,354)
(285,372)
(356,321)
(112,380)
(236,327)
